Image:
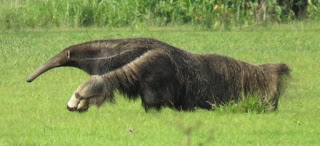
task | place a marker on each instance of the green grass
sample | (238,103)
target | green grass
(35,113)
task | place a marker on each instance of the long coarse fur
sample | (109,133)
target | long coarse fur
(164,75)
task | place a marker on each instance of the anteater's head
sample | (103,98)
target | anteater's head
(72,56)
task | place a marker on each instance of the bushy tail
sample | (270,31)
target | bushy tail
(283,69)
(280,69)
(278,74)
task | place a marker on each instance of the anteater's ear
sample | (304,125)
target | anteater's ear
(68,54)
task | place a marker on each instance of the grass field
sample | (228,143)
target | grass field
(35,113)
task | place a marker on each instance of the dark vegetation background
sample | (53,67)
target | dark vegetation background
(206,14)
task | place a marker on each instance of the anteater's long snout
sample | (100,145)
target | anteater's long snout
(56,61)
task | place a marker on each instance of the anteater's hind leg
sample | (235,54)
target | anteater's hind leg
(153,69)
(274,102)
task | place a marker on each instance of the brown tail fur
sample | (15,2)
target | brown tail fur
(277,74)
(280,69)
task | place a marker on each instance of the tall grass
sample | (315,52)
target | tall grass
(249,104)
(209,14)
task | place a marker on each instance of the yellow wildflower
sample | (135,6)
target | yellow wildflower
(217,8)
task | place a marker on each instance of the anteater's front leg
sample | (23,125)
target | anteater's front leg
(93,91)
(150,71)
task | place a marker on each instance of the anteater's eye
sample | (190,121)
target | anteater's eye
(68,54)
